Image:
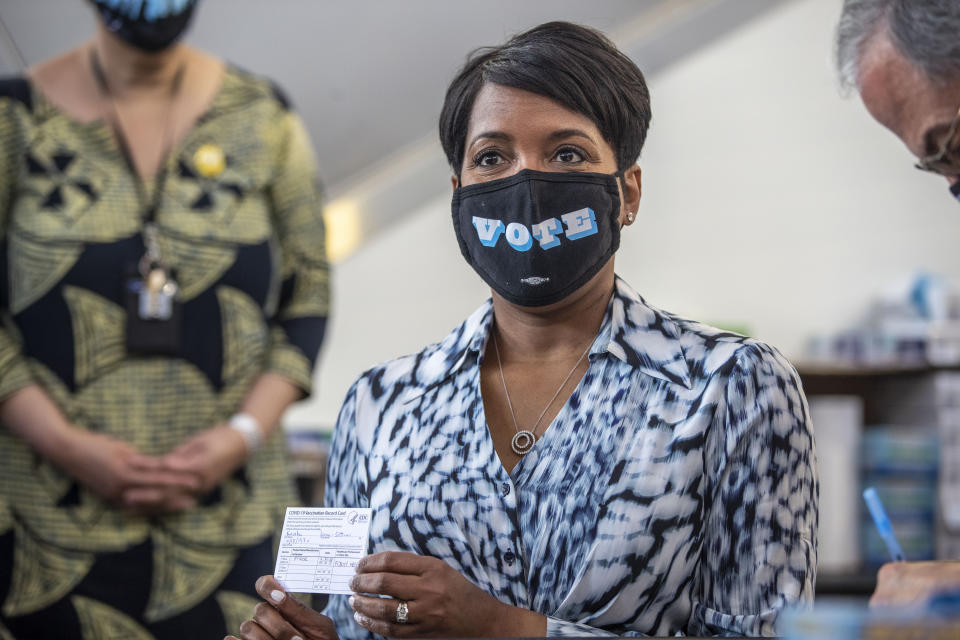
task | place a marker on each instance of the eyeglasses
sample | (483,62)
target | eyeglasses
(946,161)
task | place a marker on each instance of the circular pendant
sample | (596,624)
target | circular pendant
(522,442)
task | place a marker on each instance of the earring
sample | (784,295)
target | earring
(630,216)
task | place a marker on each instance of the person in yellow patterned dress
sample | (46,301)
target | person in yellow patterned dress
(164,291)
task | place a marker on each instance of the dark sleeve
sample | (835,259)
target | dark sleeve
(301,317)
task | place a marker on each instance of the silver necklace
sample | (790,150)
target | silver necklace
(524,439)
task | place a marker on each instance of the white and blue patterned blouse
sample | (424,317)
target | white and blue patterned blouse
(674,493)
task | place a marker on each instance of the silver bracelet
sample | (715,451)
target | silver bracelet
(249,428)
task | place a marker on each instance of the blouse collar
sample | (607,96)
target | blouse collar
(632,331)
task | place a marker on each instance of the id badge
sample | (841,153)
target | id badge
(157,294)
(153,313)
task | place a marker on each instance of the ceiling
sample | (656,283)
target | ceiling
(368,76)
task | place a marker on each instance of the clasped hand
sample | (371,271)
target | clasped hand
(116,472)
(441,603)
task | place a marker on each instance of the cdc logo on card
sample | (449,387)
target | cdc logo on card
(354,517)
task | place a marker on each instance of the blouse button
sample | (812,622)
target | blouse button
(508,557)
(505,489)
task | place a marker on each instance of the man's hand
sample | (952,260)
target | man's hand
(281,617)
(440,602)
(907,583)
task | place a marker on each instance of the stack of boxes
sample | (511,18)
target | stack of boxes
(919,463)
(901,435)
(947,385)
(901,463)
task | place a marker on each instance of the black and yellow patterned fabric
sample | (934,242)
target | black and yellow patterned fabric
(240,221)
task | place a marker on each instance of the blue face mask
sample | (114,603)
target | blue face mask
(148,25)
(955,190)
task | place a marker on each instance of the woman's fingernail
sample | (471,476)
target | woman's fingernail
(358,617)
(276,595)
(351,600)
(296,638)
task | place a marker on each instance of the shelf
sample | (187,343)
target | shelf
(891,395)
(858,583)
(816,370)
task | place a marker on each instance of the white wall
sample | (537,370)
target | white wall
(769,201)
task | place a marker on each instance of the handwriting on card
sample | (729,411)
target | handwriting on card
(320,548)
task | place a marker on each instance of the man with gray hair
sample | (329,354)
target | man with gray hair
(903,57)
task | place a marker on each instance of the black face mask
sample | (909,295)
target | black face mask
(536,237)
(148,25)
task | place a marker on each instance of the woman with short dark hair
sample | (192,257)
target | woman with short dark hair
(570,460)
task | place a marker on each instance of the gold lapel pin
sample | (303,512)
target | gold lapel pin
(209,160)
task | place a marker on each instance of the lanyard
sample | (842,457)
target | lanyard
(148,205)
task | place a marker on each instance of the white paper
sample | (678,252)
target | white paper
(320,549)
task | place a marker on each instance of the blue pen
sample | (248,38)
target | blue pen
(880,519)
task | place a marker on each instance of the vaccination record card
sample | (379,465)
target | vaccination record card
(320,549)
